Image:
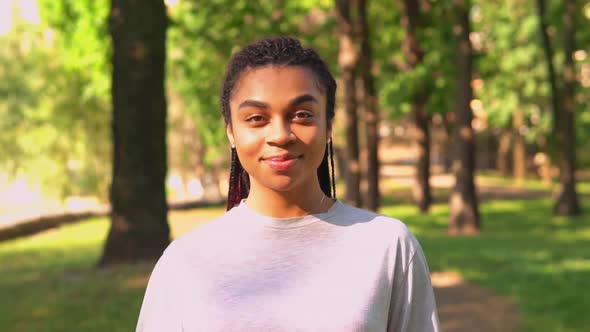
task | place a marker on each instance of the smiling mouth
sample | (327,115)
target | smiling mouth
(281,164)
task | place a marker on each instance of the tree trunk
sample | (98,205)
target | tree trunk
(567,197)
(413,53)
(422,192)
(463,205)
(489,148)
(348,60)
(519,147)
(340,160)
(448,142)
(504,162)
(563,146)
(370,109)
(139,226)
(548,50)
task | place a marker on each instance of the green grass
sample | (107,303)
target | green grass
(48,282)
(541,262)
(529,183)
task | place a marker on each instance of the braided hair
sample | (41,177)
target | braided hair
(281,51)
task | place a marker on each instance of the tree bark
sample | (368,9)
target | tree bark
(371,114)
(566,203)
(410,22)
(463,203)
(563,147)
(519,147)
(348,62)
(489,148)
(548,50)
(504,162)
(139,226)
(422,193)
(448,142)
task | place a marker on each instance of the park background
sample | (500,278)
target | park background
(468,120)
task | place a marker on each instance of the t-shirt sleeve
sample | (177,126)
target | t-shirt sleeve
(159,311)
(413,307)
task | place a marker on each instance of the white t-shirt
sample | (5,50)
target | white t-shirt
(344,270)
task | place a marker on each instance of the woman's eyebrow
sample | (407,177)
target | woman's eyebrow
(262,105)
(302,99)
(253,103)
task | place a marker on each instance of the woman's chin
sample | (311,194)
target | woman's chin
(283,184)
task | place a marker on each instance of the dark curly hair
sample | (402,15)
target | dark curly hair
(278,51)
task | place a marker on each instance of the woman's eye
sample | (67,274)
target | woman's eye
(303,115)
(255,118)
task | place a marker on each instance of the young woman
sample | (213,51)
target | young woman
(288,256)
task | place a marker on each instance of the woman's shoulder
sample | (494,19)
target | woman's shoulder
(376,230)
(347,215)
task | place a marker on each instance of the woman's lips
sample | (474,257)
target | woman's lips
(280,164)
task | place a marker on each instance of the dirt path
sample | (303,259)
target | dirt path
(463,307)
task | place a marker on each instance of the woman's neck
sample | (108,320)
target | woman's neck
(287,204)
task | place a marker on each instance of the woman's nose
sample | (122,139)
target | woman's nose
(280,133)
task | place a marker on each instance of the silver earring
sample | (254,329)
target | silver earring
(233,146)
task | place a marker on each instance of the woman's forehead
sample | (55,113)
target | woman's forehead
(276,82)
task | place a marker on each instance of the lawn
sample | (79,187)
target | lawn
(48,282)
(542,263)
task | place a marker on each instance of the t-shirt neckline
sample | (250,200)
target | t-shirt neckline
(283,223)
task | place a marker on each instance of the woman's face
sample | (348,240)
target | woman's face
(279,127)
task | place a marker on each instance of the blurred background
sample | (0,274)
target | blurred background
(468,120)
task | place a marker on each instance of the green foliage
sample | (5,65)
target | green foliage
(56,132)
(511,63)
(583,97)
(82,40)
(55,92)
(434,75)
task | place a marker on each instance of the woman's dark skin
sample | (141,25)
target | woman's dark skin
(280,130)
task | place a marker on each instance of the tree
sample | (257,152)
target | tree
(139,226)
(399,83)
(414,55)
(519,149)
(564,106)
(567,202)
(463,205)
(348,58)
(370,112)
(510,86)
